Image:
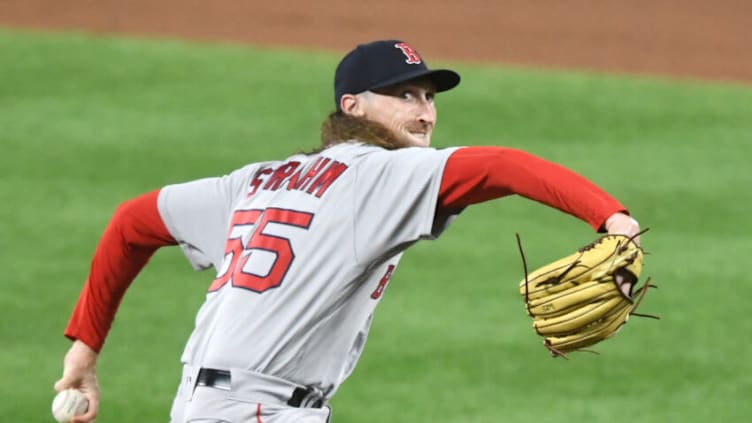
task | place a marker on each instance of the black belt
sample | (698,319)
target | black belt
(220,379)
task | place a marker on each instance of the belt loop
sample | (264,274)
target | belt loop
(308,397)
(190,378)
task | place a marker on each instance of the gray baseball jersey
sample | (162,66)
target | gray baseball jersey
(303,249)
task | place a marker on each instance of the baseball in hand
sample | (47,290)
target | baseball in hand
(69,403)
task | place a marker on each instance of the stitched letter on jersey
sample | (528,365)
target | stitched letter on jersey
(315,180)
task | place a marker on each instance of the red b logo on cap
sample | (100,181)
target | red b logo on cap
(413,58)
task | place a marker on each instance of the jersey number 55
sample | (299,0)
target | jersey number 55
(237,254)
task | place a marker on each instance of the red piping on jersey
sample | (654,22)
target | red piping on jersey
(134,233)
(258,413)
(476,174)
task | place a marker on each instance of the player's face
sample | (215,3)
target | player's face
(407,109)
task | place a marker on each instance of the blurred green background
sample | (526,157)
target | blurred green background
(87,122)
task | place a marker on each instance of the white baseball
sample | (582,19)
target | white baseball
(69,403)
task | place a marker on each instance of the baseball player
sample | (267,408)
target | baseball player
(302,249)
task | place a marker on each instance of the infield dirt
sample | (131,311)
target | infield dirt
(680,38)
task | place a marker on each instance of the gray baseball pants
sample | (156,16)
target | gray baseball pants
(248,397)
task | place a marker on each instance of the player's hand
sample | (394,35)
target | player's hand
(623,224)
(80,372)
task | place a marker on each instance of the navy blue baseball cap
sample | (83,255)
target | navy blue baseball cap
(380,64)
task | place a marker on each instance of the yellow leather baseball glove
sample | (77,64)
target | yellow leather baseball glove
(586,297)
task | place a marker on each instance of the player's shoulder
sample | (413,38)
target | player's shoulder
(358,151)
(252,168)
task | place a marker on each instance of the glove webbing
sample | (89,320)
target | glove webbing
(640,292)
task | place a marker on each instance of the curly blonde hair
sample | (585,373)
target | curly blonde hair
(339,127)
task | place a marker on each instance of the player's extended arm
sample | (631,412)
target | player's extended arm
(476,174)
(134,233)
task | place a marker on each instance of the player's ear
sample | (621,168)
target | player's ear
(352,105)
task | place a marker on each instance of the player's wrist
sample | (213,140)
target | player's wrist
(81,355)
(622,224)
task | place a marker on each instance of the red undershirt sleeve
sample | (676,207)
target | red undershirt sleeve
(476,174)
(134,233)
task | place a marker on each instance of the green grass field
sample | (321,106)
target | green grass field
(87,122)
